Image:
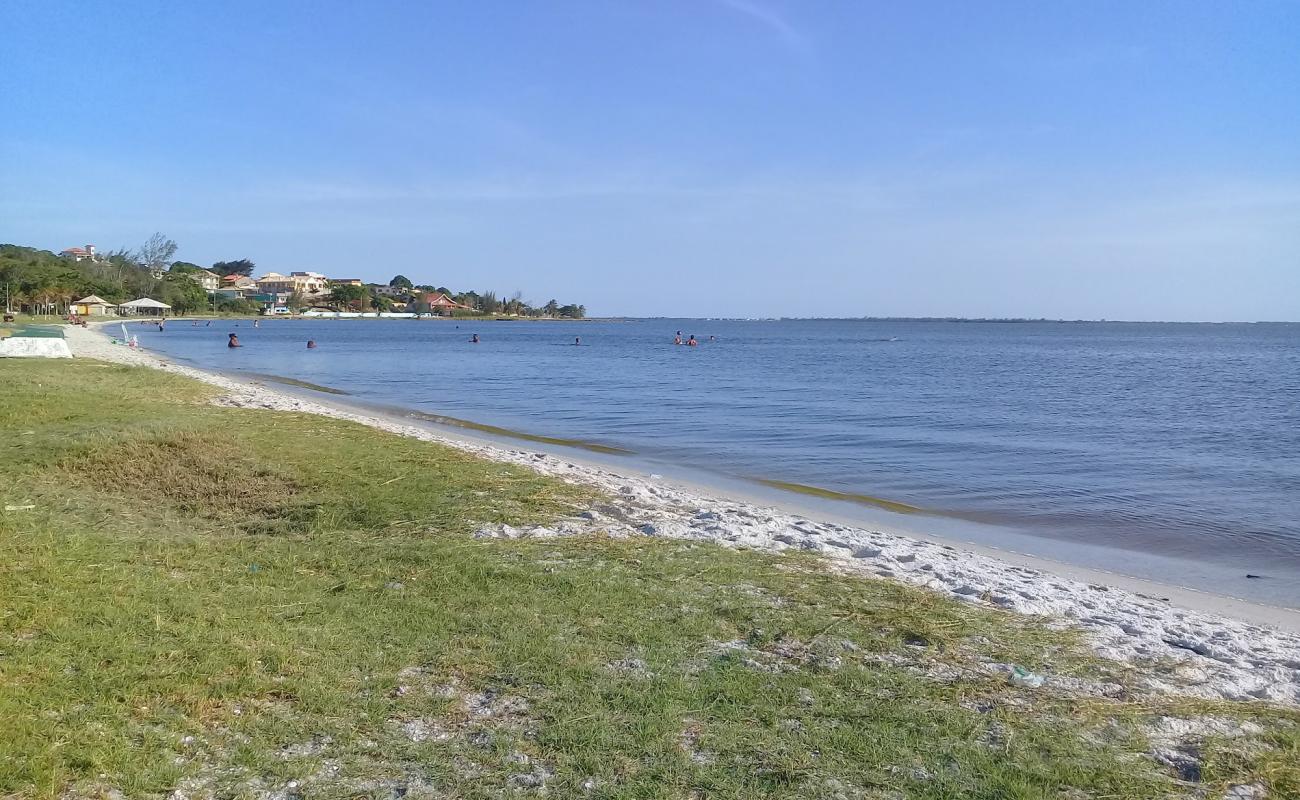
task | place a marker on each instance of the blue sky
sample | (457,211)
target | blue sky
(682,157)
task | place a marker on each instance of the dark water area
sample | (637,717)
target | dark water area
(1179,440)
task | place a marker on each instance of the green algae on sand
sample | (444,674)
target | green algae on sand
(831,494)
(513,434)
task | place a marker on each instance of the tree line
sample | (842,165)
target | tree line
(419,298)
(45,283)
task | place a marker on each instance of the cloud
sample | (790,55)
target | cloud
(770,20)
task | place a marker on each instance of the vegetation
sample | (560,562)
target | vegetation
(41,282)
(257,604)
(241,267)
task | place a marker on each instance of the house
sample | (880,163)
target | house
(388,291)
(242,283)
(86,253)
(304,283)
(92,306)
(346,282)
(209,280)
(439,303)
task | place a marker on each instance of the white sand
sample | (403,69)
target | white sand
(1211,655)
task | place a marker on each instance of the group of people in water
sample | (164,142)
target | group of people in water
(690,341)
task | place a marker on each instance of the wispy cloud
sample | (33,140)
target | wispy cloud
(771,20)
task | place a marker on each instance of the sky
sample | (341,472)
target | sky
(742,158)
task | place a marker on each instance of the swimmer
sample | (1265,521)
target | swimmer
(234,341)
(257,323)
(713,338)
(473,339)
(311,344)
(691,342)
(677,339)
(577,341)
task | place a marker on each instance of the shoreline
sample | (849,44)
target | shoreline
(1217,644)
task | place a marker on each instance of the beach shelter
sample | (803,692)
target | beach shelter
(145,305)
(92,306)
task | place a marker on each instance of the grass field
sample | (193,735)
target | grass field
(240,603)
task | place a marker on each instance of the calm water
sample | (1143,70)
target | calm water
(1175,439)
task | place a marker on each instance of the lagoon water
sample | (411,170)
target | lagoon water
(1178,440)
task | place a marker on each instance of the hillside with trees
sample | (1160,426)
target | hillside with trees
(40,282)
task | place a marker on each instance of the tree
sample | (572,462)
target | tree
(351,297)
(241,267)
(183,294)
(573,312)
(297,300)
(156,253)
(185,266)
(401,282)
(487,303)
(381,303)
(237,305)
(551,308)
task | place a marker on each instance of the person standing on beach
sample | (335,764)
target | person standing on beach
(233,341)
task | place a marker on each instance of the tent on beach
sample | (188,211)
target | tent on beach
(144,305)
(92,306)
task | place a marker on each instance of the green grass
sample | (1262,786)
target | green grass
(229,600)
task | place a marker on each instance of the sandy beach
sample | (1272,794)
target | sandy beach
(1189,644)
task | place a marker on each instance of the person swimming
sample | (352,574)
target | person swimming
(577,341)
(677,339)
(713,338)
(233,341)
(691,342)
(311,344)
(473,339)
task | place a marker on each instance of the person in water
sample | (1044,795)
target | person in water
(691,341)
(234,341)
(713,338)
(311,344)
(577,341)
(473,339)
(677,339)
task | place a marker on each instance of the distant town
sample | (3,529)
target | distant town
(85,282)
